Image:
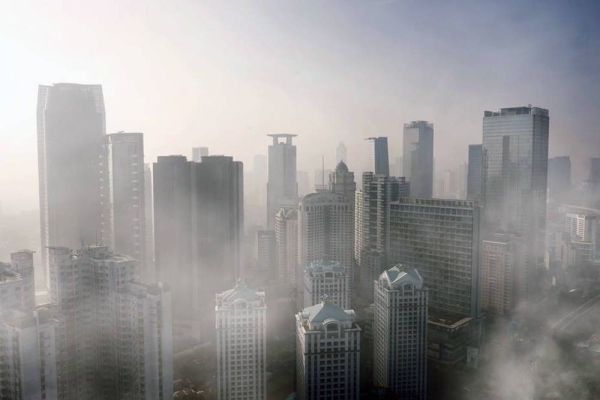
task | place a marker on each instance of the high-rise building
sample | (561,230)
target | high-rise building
(266,251)
(241,325)
(342,181)
(198,153)
(124,214)
(286,234)
(441,239)
(559,178)
(379,162)
(499,277)
(327,278)
(461,181)
(325,230)
(327,353)
(70,129)
(149,220)
(282,188)
(115,335)
(17,282)
(417,157)
(371,219)
(475,172)
(341,153)
(515,145)
(592,184)
(198,225)
(400,333)
(584,231)
(29,352)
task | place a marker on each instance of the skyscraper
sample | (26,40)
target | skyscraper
(475,172)
(150,276)
(70,129)
(371,220)
(417,157)
(515,144)
(559,178)
(282,188)
(198,153)
(441,239)
(341,153)
(378,156)
(327,278)
(198,231)
(400,330)
(325,230)
(327,353)
(342,181)
(286,234)
(241,324)
(592,184)
(124,214)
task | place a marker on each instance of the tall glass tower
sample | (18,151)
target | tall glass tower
(515,144)
(417,158)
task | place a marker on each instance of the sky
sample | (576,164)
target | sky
(224,74)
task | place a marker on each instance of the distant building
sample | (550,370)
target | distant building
(282,187)
(327,353)
(379,162)
(17,282)
(584,232)
(266,251)
(475,172)
(400,330)
(241,325)
(342,181)
(198,153)
(149,220)
(71,125)
(327,278)
(559,178)
(417,158)
(341,153)
(286,235)
(592,185)
(124,214)
(324,229)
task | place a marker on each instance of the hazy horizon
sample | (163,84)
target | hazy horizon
(190,74)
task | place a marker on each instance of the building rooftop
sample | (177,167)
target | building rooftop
(241,291)
(327,311)
(341,167)
(325,266)
(399,276)
(525,110)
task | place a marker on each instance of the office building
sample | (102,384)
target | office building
(324,230)
(371,219)
(400,333)
(475,172)
(417,158)
(515,144)
(341,153)
(559,178)
(461,181)
(282,187)
(442,240)
(241,325)
(327,278)
(584,232)
(124,198)
(592,184)
(70,130)
(286,235)
(327,353)
(342,181)
(378,157)
(266,251)
(115,335)
(198,153)
(198,228)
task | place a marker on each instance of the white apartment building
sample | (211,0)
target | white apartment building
(241,325)
(327,353)
(400,333)
(327,278)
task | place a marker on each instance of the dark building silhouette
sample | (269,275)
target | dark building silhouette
(475,172)
(417,158)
